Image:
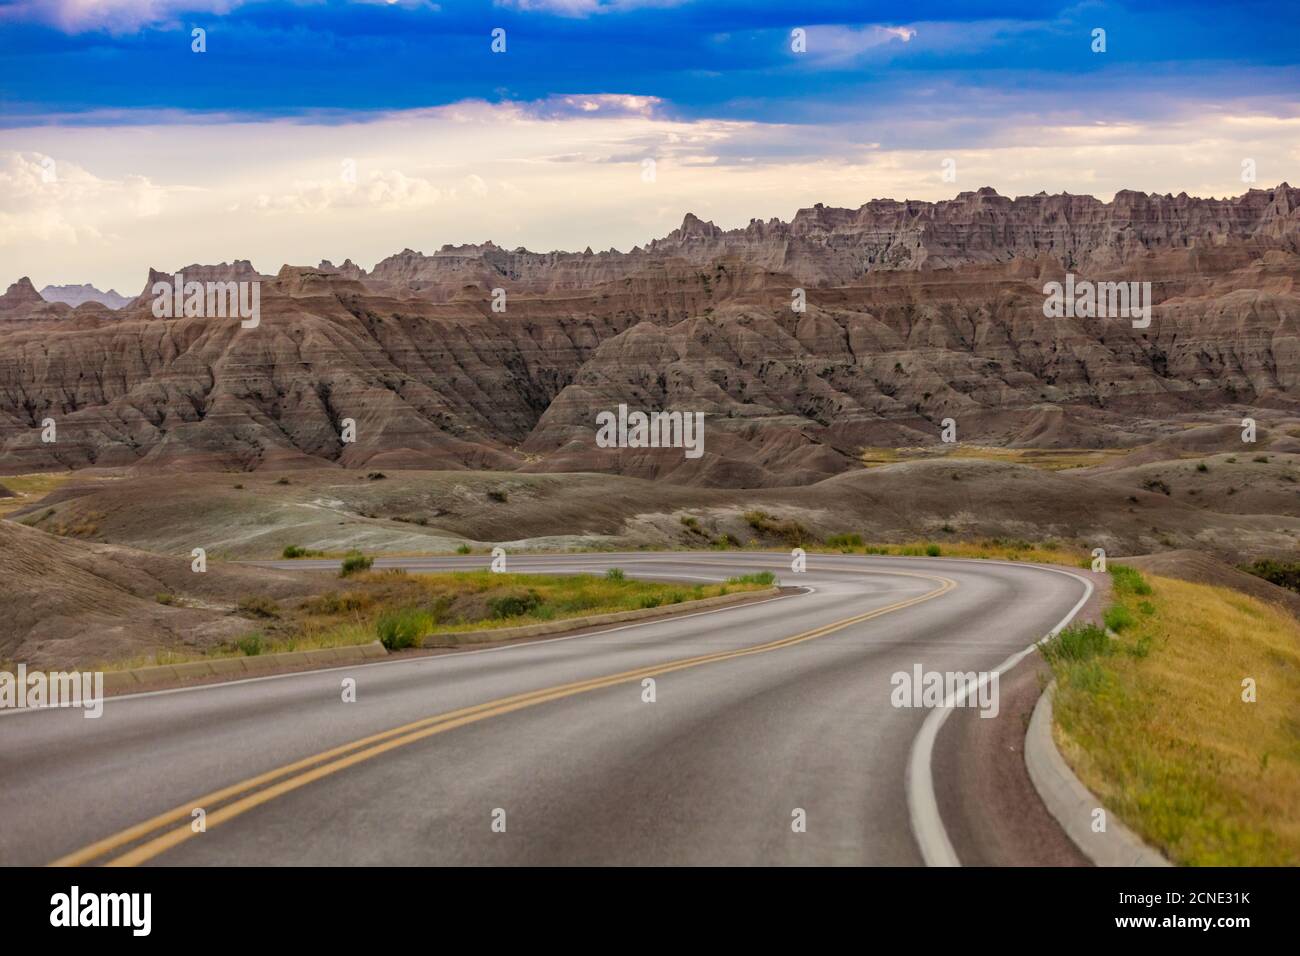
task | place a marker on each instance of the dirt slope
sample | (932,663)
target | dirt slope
(73,603)
(1202,568)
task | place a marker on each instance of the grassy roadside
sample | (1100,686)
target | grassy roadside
(1154,722)
(400,609)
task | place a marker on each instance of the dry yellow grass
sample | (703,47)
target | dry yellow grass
(1159,731)
(1006,549)
(1048,459)
(30,488)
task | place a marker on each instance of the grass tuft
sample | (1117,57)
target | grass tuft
(355,562)
(757,577)
(404,628)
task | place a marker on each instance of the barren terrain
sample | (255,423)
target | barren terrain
(475,425)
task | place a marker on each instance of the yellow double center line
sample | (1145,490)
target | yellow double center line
(291,776)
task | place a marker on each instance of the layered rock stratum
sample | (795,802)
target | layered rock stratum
(915,313)
(75,295)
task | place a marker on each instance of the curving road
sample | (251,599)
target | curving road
(760,710)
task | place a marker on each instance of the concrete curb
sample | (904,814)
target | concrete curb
(141,678)
(1072,804)
(592,620)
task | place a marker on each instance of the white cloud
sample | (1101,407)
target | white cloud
(843,42)
(117,16)
(543,175)
(584,8)
(380,190)
(52,200)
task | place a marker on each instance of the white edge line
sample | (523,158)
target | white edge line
(923,807)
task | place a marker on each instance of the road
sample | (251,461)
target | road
(760,711)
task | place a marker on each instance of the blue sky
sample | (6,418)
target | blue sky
(546,145)
(722,59)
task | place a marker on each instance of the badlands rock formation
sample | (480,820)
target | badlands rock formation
(916,312)
(74,295)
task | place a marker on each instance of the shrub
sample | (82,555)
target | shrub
(1202,467)
(614,574)
(331,603)
(792,532)
(1075,644)
(1118,618)
(404,628)
(282,481)
(1285,574)
(1157,484)
(165,598)
(376,476)
(297,551)
(1128,580)
(844,541)
(650,600)
(259,606)
(353,562)
(933,550)
(250,645)
(515,605)
(498,496)
(463,549)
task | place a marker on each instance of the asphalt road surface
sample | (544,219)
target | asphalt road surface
(761,711)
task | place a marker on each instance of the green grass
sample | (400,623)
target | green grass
(1154,723)
(403,628)
(515,605)
(1119,618)
(296,551)
(765,578)
(1076,644)
(354,562)
(251,645)
(1127,581)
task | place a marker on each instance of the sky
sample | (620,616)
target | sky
(322,129)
